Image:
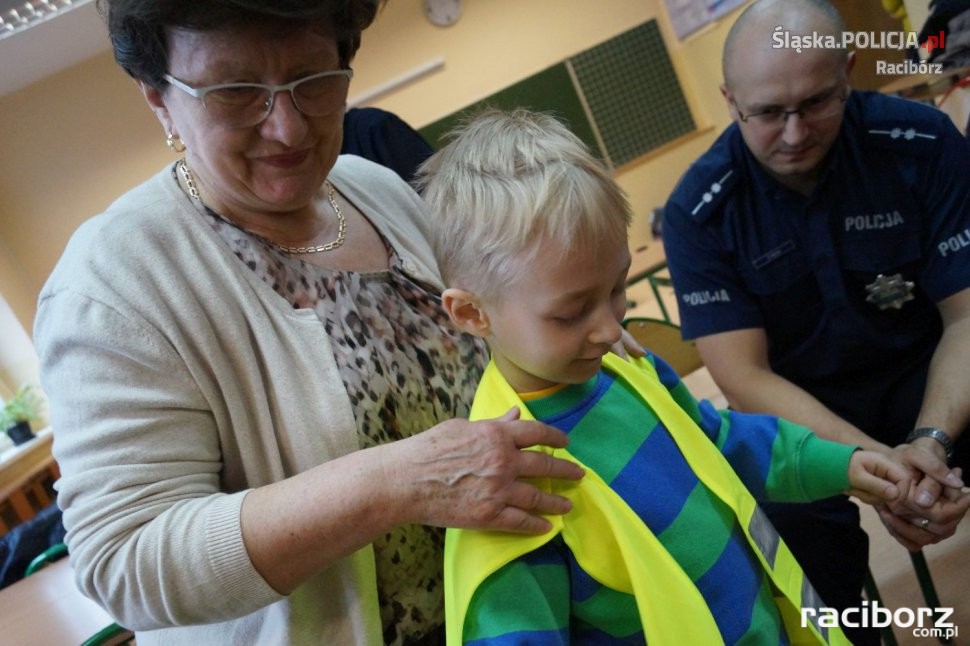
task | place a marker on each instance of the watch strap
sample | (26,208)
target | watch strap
(936,434)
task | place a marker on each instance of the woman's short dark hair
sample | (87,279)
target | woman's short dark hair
(137,27)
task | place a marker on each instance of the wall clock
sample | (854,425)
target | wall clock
(442,12)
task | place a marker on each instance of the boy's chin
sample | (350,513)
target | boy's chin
(584,369)
(579,371)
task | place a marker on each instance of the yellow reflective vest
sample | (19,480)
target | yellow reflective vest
(615,546)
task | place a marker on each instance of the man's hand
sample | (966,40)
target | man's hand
(935,504)
(915,525)
(927,460)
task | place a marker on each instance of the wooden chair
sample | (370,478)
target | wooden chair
(663,338)
(23,498)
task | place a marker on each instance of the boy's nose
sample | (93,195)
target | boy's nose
(607,330)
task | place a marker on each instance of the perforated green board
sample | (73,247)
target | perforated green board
(635,100)
(633,93)
(551,90)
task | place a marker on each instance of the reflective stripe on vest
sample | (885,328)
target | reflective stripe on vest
(612,543)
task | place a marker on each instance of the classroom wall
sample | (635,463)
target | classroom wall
(72,143)
(499,42)
(76,140)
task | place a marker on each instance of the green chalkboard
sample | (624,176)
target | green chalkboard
(551,90)
(633,99)
(633,93)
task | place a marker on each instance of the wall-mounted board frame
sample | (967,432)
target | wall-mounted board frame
(621,97)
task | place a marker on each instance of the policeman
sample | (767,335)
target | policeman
(820,251)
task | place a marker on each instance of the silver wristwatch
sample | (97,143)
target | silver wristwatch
(936,434)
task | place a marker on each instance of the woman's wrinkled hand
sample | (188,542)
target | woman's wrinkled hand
(478,475)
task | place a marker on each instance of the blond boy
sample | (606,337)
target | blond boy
(665,542)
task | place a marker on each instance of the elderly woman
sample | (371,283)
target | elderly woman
(242,354)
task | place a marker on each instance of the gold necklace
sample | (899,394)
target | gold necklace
(193,191)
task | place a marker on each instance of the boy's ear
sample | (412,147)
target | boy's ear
(465,311)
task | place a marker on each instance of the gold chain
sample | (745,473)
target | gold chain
(189,181)
(193,191)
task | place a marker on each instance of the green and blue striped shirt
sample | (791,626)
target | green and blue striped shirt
(545,597)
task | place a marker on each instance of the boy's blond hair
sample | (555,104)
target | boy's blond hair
(506,181)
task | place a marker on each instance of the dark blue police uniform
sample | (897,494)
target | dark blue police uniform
(893,200)
(383,137)
(844,281)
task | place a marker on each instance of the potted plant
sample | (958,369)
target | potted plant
(18,412)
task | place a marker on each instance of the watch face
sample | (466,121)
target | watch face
(442,12)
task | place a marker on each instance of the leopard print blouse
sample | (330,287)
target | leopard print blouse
(405,368)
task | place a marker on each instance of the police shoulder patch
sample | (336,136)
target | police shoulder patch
(903,127)
(704,187)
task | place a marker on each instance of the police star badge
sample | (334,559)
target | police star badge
(889,291)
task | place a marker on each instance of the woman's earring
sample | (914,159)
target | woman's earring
(174,142)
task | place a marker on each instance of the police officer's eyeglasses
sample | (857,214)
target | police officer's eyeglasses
(814,109)
(240,105)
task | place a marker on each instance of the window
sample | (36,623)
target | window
(18,360)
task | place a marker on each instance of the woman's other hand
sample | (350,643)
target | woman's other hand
(628,346)
(456,474)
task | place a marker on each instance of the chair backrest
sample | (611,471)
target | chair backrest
(663,339)
(48,556)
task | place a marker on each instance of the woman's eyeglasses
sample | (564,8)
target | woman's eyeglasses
(813,110)
(241,105)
